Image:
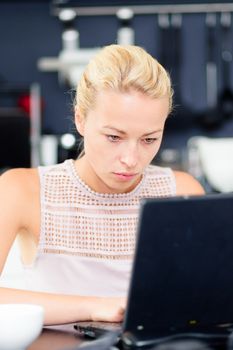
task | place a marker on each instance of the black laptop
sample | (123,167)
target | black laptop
(182,276)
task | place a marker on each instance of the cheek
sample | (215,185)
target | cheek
(96,148)
(158,146)
(151,153)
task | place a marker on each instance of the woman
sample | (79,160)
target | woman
(76,221)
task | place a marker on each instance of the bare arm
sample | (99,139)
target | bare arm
(60,309)
(187,185)
(15,201)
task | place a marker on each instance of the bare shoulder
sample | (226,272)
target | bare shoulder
(187,184)
(19,206)
(19,181)
(19,189)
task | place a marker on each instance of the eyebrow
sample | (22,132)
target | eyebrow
(124,133)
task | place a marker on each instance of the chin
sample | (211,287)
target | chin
(122,188)
(113,186)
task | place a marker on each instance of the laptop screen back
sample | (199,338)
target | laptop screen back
(182,277)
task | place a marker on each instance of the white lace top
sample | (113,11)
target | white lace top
(87,239)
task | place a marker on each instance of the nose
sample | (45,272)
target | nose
(129,156)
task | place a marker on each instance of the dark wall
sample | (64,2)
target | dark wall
(28,32)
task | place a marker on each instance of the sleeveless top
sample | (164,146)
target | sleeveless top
(87,239)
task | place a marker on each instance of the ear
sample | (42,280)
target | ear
(79,121)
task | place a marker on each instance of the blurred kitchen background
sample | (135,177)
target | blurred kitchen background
(44,46)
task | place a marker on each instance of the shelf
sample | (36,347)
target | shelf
(179,7)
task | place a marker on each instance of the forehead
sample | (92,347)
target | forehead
(124,109)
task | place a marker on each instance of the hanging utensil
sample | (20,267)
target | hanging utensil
(176,43)
(212,118)
(125,33)
(171,33)
(164,41)
(226,96)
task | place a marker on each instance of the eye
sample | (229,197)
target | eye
(150,140)
(113,138)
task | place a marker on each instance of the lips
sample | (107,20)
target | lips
(125,176)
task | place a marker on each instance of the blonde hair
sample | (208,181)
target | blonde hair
(122,69)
